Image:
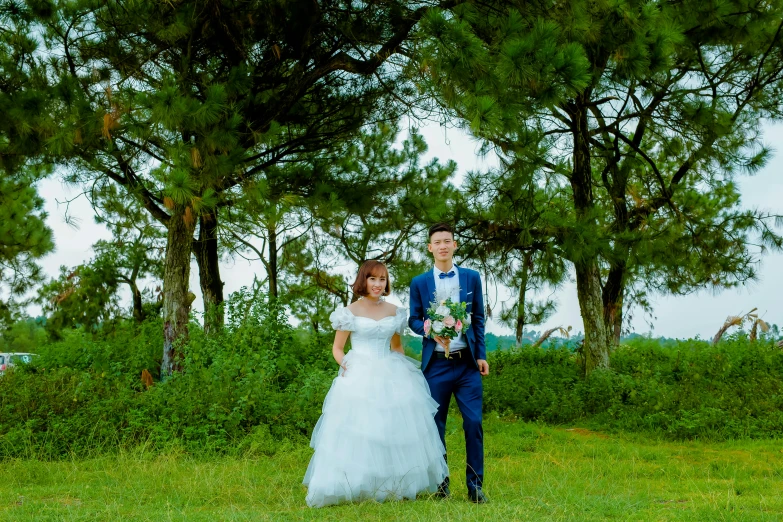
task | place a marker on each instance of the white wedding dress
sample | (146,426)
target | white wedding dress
(376,438)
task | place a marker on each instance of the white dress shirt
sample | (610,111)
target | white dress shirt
(449,286)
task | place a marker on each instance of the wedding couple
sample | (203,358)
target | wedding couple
(382,432)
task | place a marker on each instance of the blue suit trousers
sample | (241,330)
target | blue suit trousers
(461,378)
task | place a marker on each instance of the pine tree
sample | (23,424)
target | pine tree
(273,219)
(373,201)
(85,296)
(183,104)
(640,115)
(24,127)
(383,201)
(313,285)
(88,295)
(508,223)
(24,237)
(135,252)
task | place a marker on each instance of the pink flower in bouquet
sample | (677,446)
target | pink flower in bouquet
(449,321)
(427,327)
(458,326)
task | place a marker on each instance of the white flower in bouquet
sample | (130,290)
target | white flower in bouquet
(466,321)
(437,326)
(442,311)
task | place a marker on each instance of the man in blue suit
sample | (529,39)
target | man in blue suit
(458,370)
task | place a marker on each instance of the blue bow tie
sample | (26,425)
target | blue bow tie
(445,275)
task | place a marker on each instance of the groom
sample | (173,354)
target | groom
(458,373)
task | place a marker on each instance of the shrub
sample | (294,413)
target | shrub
(684,390)
(534,384)
(84,395)
(256,383)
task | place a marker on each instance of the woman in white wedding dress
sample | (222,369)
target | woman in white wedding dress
(377,437)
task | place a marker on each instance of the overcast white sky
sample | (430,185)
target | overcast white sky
(682,317)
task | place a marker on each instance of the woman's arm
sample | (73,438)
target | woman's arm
(338,348)
(416,320)
(396,344)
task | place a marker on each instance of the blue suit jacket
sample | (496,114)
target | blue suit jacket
(423,291)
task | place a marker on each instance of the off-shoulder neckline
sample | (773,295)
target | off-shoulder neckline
(396,313)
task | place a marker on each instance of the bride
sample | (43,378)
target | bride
(377,437)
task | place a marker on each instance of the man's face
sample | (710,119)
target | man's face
(442,246)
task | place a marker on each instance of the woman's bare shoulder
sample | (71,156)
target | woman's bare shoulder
(392,308)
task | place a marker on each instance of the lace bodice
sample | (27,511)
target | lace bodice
(368,336)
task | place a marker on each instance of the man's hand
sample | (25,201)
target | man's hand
(483,367)
(443,341)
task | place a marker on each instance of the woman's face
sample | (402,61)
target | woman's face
(376,285)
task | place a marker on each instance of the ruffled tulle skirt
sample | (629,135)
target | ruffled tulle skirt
(376,438)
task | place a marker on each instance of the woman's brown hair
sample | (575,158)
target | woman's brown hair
(370,268)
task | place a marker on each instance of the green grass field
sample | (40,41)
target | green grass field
(532,473)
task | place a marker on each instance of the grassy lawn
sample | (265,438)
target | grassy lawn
(532,473)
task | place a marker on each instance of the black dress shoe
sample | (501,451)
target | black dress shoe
(477,496)
(443,490)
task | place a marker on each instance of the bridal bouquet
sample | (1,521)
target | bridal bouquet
(446,319)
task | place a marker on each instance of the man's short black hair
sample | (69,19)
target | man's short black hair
(441,227)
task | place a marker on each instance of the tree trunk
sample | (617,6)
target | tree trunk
(272,233)
(588,289)
(614,287)
(138,311)
(176,297)
(613,303)
(520,326)
(521,319)
(206,251)
(588,280)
